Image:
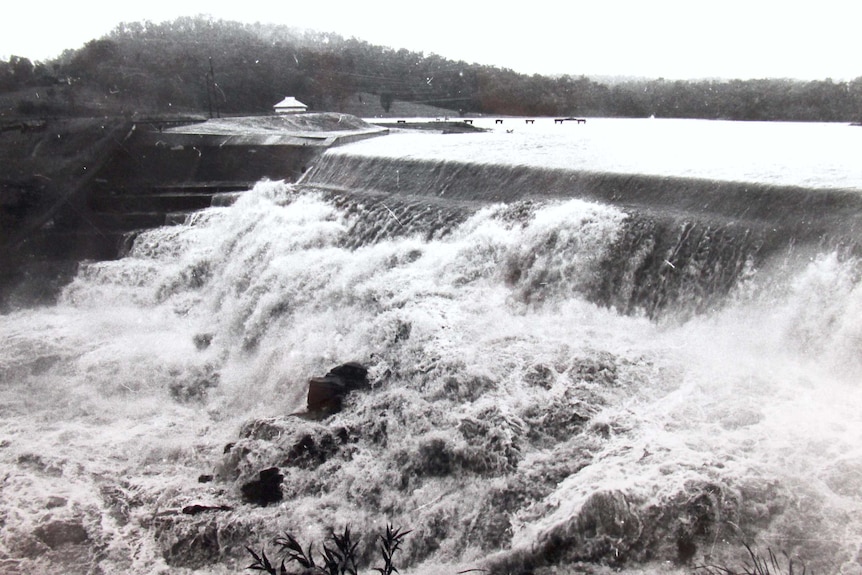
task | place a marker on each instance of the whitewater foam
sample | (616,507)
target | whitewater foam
(516,412)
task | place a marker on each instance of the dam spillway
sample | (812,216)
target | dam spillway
(686,240)
(556,381)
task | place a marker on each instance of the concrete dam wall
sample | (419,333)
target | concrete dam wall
(160,169)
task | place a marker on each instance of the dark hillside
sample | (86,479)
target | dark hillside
(199,65)
(367,105)
(226,68)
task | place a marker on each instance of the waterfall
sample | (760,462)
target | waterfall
(630,371)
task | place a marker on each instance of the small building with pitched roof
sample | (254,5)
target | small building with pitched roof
(290,105)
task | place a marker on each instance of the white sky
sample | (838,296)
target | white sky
(651,38)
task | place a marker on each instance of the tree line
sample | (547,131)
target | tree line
(201,65)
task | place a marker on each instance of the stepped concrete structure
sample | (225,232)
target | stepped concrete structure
(168,167)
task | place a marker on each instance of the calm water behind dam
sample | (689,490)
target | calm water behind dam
(814,155)
(573,361)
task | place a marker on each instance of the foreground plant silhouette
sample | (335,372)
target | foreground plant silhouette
(769,565)
(389,544)
(339,558)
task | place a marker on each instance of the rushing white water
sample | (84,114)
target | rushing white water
(511,421)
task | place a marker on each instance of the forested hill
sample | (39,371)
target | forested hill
(203,66)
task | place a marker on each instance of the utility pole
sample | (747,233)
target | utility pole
(211,90)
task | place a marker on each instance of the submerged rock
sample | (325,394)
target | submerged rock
(614,527)
(198,508)
(189,541)
(266,489)
(55,501)
(194,385)
(540,375)
(606,527)
(278,442)
(62,532)
(202,340)
(314,448)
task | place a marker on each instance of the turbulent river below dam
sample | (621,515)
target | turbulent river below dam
(626,345)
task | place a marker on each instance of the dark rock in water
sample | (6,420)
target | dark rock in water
(205,478)
(196,508)
(601,369)
(203,340)
(58,533)
(326,394)
(266,489)
(465,388)
(605,529)
(264,429)
(433,458)
(55,501)
(287,442)
(314,449)
(189,541)
(436,458)
(559,419)
(353,373)
(685,550)
(540,375)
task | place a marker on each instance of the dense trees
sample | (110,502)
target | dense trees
(198,64)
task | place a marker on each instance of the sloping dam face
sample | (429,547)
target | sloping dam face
(684,242)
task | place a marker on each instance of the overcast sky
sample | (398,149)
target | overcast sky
(685,39)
